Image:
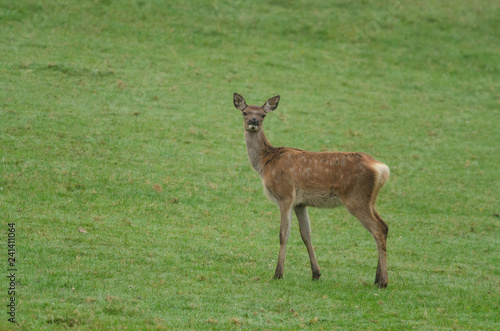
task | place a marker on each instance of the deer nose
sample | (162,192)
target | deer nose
(253,121)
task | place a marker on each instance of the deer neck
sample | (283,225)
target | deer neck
(258,147)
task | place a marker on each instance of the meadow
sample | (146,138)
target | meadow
(124,171)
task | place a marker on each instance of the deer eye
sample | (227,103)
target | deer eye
(244,113)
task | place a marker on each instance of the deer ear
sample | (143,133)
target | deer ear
(271,104)
(239,102)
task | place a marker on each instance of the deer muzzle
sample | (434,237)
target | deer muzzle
(253,125)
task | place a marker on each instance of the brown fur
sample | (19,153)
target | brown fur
(297,179)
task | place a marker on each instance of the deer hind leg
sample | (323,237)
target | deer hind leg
(305,232)
(370,219)
(379,276)
(286,218)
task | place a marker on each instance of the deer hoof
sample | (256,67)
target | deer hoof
(381,284)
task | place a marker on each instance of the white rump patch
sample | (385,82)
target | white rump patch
(383,171)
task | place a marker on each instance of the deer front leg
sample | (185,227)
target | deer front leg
(286,218)
(305,232)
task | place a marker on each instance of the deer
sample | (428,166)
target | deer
(295,179)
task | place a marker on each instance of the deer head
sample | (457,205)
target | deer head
(254,115)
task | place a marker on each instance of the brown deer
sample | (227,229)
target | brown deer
(296,179)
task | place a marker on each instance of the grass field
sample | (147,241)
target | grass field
(124,170)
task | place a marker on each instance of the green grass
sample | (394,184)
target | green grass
(116,117)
